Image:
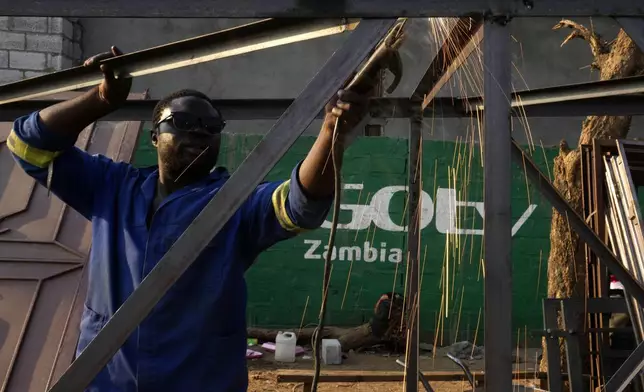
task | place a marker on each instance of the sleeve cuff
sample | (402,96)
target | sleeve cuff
(305,211)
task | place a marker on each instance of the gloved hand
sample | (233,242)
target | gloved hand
(112,90)
(351,109)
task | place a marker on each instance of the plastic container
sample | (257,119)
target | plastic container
(285,346)
(331,352)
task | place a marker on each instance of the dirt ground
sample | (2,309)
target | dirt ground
(263,372)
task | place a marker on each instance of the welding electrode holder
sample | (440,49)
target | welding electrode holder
(385,56)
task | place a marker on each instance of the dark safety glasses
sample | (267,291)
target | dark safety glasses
(183,121)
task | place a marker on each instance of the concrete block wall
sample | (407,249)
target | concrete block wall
(34,46)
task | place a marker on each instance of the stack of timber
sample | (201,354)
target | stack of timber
(624,217)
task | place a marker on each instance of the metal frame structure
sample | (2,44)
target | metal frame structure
(318,9)
(295,115)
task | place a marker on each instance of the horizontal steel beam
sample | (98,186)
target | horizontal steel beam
(627,105)
(238,40)
(446,107)
(223,205)
(231,109)
(570,92)
(317,9)
(577,223)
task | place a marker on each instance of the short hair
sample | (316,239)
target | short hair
(165,101)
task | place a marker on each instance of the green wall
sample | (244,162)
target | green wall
(288,275)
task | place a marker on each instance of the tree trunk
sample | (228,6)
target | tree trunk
(566,263)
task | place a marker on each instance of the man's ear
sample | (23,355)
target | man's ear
(154,135)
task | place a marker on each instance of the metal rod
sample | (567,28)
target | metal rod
(238,40)
(577,223)
(634,27)
(312,9)
(414,210)
(497,226)
(223,205)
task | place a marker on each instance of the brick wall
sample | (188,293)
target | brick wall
(35,46)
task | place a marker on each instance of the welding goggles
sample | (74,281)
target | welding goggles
(189,122)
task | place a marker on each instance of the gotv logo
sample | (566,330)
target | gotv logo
(445,210)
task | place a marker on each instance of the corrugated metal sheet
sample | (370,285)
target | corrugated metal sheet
(43,248)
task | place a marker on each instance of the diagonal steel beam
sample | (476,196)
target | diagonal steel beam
(628,371)
(218,211)
(313,9)
(238,40)
(577,223)
(464,37)
(634,27)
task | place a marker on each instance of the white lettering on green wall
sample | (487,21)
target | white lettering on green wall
(446,210)
(366,253)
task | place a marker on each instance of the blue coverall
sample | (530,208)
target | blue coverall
(195,338)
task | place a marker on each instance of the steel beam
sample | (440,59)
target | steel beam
(634,27)
(313,9)
(570,92)
(218,211)
(577,223)
(466,36)
(237,109)
(627,105)
(627,372)
(414,208)
(497,189)
(446,107)
(238,40)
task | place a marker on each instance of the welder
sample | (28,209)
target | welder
(195,338)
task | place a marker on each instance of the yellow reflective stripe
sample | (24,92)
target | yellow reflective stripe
(31,155)
(279,205)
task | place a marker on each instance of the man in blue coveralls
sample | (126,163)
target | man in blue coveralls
(195,338)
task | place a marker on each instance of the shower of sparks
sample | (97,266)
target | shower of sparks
(466,81)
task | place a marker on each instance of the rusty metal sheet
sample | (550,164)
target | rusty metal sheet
(43,248)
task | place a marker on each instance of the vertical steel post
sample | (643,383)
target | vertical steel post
(497,240)
(413,250)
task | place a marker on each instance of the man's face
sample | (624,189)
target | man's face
(187,138)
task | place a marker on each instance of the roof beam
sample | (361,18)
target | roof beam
(318,9)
